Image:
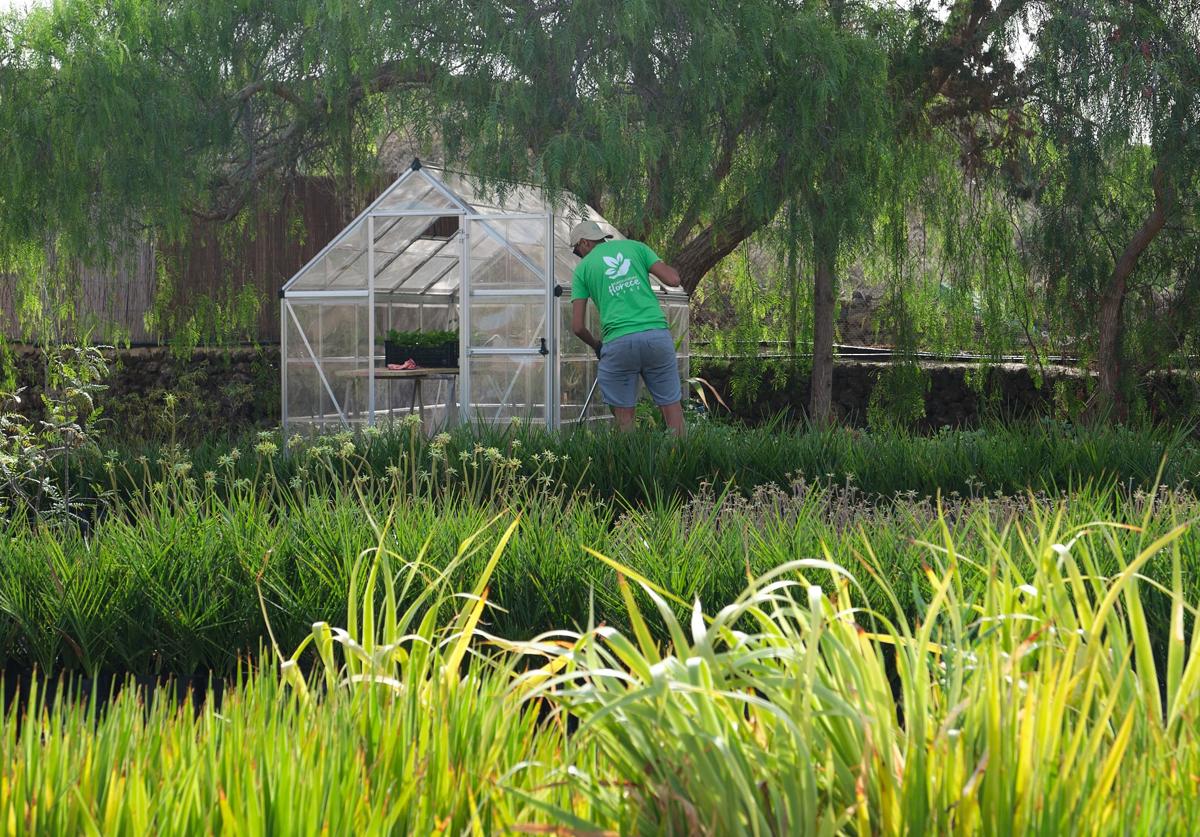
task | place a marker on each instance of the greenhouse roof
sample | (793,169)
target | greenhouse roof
(415,224)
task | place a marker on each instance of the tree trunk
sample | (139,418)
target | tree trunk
(702,253)
(1112,302)
(820,403)
(793,287)
(1111,403)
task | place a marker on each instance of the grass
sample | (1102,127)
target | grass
(169,583)
(263,764)
(1034,703)
(650,467)
(764,633)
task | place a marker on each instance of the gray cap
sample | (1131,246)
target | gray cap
(587,231)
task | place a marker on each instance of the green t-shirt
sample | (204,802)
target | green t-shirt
(616,276)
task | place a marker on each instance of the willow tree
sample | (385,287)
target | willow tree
(1116,87)
(689,123)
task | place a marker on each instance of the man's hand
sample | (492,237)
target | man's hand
(598,346)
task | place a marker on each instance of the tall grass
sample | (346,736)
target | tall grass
(1030,704)
(650,467)
(409,731)
(170,584)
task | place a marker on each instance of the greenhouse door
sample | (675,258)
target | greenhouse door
(509,338)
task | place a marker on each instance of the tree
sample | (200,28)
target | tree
(1116,88)
(689,123)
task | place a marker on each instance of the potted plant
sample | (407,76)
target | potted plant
(431,349)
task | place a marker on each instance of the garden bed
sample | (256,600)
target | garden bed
(836,716)
(605,664)
(171,585)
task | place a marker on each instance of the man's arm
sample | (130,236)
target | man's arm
(578,323)
(666,274)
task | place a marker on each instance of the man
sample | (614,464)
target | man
(634,340)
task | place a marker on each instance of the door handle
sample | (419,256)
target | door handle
(543,351)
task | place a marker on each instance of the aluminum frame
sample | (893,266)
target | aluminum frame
(371,320)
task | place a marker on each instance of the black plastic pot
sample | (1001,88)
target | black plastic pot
(431,357)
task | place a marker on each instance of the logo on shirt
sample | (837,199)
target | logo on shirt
(618,266)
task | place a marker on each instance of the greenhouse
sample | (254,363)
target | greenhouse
(489,269)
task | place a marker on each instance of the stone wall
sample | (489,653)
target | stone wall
(216,391)
(950,399)
(958,394)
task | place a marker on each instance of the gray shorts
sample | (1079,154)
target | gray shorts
(650,354)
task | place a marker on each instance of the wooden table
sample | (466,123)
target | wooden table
(416,376)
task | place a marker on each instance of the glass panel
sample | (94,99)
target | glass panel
(503,388)
(348,380)
(521,198)
(412,316)
(513,323)
(677,321)
(507,254)
(305,427)
(564,268)
(495,199)
(562,230)
(312,278)
(460,186)
(416,192)
(422,261)
(343,267)
(577,367)
(678,318)
(346,263)
(439,273)
(307,316)
(337,337)
(433,401)
(395,235)
(392,271)
(439,317)
(398,316)
(397,397)
(341,332)
(303,382)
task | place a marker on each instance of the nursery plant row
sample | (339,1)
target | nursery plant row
(648,467)
(178,580)
(1039,702)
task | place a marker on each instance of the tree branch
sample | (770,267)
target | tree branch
(726,232)
(281,90)
(267,154)
(720,171)
(967,29)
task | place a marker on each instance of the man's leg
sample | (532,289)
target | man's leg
(618,374)
(660,371)
(673,416)
(624,417)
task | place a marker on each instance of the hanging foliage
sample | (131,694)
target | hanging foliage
(1116,90)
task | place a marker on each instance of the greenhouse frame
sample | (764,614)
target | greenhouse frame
(436,251)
